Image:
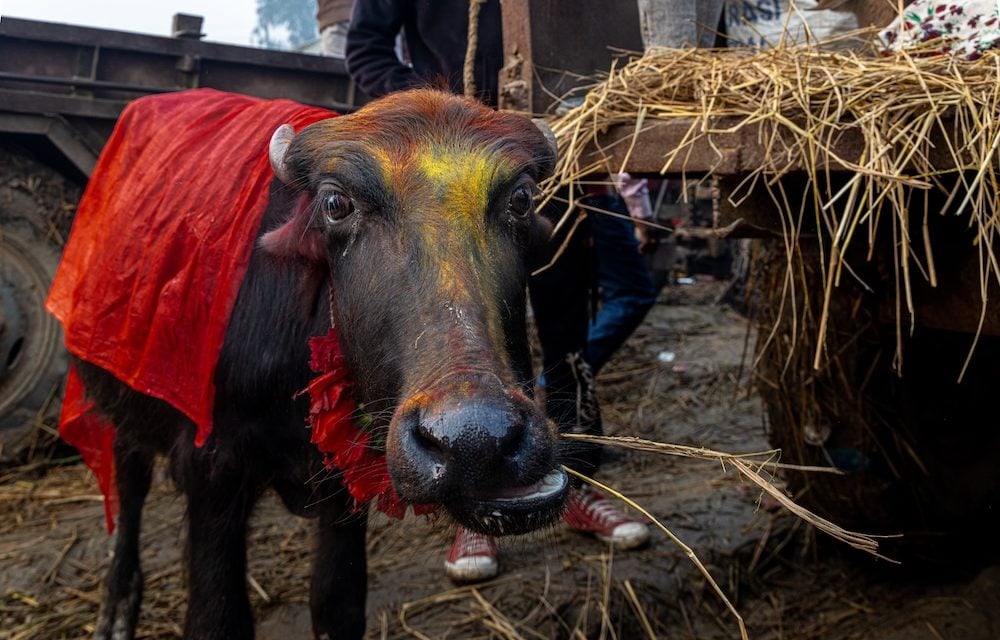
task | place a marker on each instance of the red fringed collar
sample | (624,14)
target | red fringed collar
(333,415)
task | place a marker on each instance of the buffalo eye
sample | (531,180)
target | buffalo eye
(521,202)
(336,206)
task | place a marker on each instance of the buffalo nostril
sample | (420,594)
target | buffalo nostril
(512,442)
(428,443)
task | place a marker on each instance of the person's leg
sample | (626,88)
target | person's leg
(626,287)
(561,294)
(560,299)
(709,14)
(679,23)
(668,23)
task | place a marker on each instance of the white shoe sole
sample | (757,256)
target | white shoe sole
(627,536)
(472,569)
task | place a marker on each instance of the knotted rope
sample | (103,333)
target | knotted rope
(468,70)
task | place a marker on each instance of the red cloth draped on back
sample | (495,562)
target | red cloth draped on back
(187,174)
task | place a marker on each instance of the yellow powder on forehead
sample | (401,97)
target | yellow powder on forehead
(451,280)
(462,178)
(452,226)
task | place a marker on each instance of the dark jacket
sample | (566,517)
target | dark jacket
(436,39)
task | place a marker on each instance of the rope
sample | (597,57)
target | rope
(468,70)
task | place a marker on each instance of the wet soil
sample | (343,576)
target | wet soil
(681,379)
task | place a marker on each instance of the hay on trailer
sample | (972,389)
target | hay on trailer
(860,232)
(925,123)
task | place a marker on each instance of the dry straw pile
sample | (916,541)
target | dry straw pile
(919,123)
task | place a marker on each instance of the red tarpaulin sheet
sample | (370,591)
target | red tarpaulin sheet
(159,247)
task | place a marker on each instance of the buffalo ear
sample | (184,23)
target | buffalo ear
(539,242)
(296,238)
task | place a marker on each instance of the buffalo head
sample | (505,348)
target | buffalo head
(421,205)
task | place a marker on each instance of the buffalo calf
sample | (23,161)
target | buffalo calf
(409,227)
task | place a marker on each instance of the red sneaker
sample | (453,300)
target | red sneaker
(472,557)
(590,511)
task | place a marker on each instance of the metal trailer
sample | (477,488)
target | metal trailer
(61,89)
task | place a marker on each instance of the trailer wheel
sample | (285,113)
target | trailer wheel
(36,204)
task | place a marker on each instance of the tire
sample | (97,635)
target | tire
(36,206)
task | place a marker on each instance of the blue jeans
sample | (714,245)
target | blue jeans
(560,299)
(624,283)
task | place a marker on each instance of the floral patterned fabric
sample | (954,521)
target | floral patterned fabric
(964,29)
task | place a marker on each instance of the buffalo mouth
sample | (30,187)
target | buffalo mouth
(515,510)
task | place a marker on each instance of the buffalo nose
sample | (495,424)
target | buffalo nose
(455,449)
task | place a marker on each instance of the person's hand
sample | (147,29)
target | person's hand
(644,236)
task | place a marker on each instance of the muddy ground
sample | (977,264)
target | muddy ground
(784,579)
